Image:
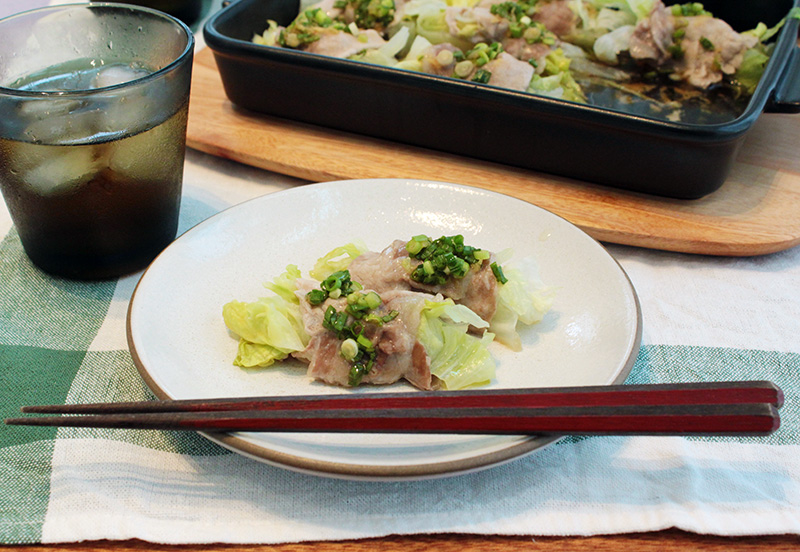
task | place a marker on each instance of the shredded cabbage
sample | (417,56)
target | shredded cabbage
(466,24)
(458,358)
(599,17)
(413,8)
(463,3)
(755,59)
(557,81)
(610,17)
(271,328)
(606,15)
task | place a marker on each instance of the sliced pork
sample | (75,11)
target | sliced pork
(342,45)
(475,24)
(520,49)
(652,36)
(390,270)
(556,16)
(384,270)
(700,49)
(438,59)
(711,49)
(509,72)
(400,354)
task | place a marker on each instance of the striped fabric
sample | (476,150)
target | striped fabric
(705,319)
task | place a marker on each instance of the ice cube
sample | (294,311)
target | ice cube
(57,169)
(132,114)
(70,128)
(117,74)
(140,157)
(42,108)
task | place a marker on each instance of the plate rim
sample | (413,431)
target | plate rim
(343,470)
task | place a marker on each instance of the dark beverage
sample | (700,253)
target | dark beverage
(96,210)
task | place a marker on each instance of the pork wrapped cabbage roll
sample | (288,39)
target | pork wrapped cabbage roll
(421,310)
(356,336)
(503,298)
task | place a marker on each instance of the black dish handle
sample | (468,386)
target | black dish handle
(786,96)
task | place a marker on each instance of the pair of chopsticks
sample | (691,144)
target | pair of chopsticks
(724,408)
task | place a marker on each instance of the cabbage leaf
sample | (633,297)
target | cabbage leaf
(523,299)
(337,259)
(271,328)
(556,81)
(413,59)
(756,58)
(431,24)
(458,358)
(609,45)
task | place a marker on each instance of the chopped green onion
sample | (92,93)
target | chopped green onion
(444,57)
(358,370)
(689,10)
(350,324)
(381,319)
(498,273)
(675,51)
(463,69)
(444,258)
(349,349)
(373,300)
(364,341)
(316,296)
(482,76)
(415,244)
(334,286)
(706,44)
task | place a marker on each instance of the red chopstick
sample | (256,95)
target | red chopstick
(724,408)
(736,392)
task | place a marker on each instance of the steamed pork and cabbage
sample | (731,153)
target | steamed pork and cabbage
(576,50)
(422,310)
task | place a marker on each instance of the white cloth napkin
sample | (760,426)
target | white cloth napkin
(705,318)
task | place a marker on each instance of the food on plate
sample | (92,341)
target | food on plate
(422,310)
(615,52)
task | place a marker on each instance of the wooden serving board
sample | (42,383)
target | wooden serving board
(756,211)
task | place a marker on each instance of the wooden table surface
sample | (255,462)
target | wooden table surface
(639,542)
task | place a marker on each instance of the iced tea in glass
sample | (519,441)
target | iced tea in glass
(92,139)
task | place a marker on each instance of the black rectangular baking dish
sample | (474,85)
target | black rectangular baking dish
(589,143)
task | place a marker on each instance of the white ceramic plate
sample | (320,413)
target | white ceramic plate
(184,351)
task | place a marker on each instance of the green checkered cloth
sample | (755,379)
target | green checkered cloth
(705,319)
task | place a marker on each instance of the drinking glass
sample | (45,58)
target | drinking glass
(94,100)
